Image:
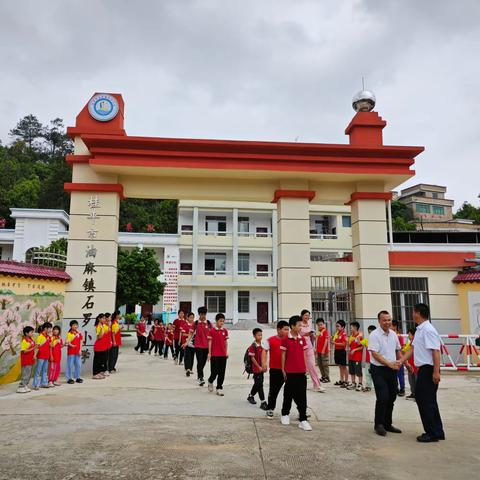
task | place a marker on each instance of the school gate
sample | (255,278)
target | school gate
(109,165)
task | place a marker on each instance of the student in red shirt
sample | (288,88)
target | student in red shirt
(294,368)
(177,325)
(169,334)
(43,356)
(100,347)
(27,358)
(116,341)
(272,346)
(322,341)
(218,353)
(141,328)
(339,341)
(256,353)
(355,357)
(56,346)
(155,337)
(199,334)
(74,346)
(188,346)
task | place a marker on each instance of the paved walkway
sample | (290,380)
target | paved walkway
(150,422)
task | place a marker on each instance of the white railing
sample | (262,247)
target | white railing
(215,273)
(255,234)
(185,272)
(212,233)
(323,236)
(255,274)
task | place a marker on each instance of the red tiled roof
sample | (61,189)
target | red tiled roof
(467,277)
(31,270)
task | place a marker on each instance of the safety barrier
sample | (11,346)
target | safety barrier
(467,358)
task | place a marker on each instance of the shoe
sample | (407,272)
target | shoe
(380,430)
(71,381)
(187,373)
(210,387)
(149,352)
(351,386)
(201,382)
(251,400)
(441,437)
(359,387)
(220,392)
(338,384)
(264,406)
(320,389)
(285,419)
(50,385)
(36,388)
(401,393)
(45,386)
(424,438)
(98,377)
(366,389)
(270,413)
(106,374)
(112,371)
(410,397)
(393,429)
(57,384)
(79,380)
(305,426)
(327,380)
(22,390)
(180,363)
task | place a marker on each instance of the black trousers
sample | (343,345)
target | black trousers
(99,362)
(426,397)
(218,366)
(258,386)
(179,352)
(276,384)
(165,351)
(141,340)
(112,358)
(385,383)
(202,355)
(296,390)
(189,358)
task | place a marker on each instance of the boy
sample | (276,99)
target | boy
(411,368)
(339,341)
(367,374)
(177,324)
(272,346)
(189,348)
(27,359)
(43,356)
(200,329)
(255,352)
(218,353)
(74,345)
(294,369)
(355,357)
(322,350)
(401,372)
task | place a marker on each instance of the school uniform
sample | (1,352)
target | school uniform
(272,345)
(256,351)
(56,358)
(117,342)
(355,358)
(218,355)
(177,323)
(340,352)
(189,356)
(141,328)
(295,369)
(201,329)
(74,365)
(27,360)
(158,339)
(43,356)
(323,356)
(100,349)
(168,344)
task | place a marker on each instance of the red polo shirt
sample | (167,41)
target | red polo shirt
(169,338)
(116,333)
(177,323)
(294,354)
(185,328)
(75,339)
(201,334)
(322,339)
(353,343)
(275,354)
(340,337)
(159,333)
(255,350)
(43,342)
(57,344)
(219,337)
(140,327)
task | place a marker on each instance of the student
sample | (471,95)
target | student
(169,339)
(255,352)
(309,335)
(160,335)
(339,340)
(151,338)
(401,372)
(366,370)
(116,341)
(74,345)
(199,332)
(411,368)
(218,353)
(355,356)
(27,358)
(56,346)
(100,348)
(187,345)
(43,356)
(294,367)
(177,324)
(154,331)
(141,328)
(272,346)
(322,342)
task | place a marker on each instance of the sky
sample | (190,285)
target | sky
(281,70)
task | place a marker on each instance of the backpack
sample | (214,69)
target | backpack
(247,360)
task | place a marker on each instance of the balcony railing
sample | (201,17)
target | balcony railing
(255,274)
(323,236)
(185,272)
(255,234)
(213,233)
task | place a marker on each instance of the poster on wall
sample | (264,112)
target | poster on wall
(474,312)
(170,293)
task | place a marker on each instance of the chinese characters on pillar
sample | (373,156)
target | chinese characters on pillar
(170,293)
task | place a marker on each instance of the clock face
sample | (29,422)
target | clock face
(103,107)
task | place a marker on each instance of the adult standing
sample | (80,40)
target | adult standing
(308,333)
(384,349)
(426,351)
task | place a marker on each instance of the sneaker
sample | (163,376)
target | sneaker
(305,426)
(401,392)
(366,389)
(188,373)
(320,389)
(98,377)
(327,380)
(180,363)
(201,382)
(285,420)
(264,406)
(22,390)
(270,413)
(79,380)
(350,386)
(57,384)
(251,400)
(45,386)
(70,382)
(410,397)
(359,387)
(338,384)
(36,388)
(210,387)
(106,374)
(220,393)
(112,371)
(50,385)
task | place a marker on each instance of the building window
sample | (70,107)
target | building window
(215,301)
(422,208)
(243,225)
(244,302)
(243,263)
(215,263)
(406,292)
(434,195)
(187,229)
(216,225)
(346,221)
(438,210)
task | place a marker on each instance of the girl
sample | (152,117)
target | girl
(169,341)
(116,342)
(100,348)
(151,338)
(56,345)
(43,356)
(306,331)
(189,347)
(141,327)
(339,341)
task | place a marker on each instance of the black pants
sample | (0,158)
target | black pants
(166,349)
(426,397)
(296,390)
(141,340)
(258,386)
(178,348)
(276,384)
(112,358)
(218,366)
(201,354)
(99,362)
(189,358)
(385,383)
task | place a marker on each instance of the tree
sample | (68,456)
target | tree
(402,217)
(469,212)
(137,277)
(57,141)
(28,129)
(139,213)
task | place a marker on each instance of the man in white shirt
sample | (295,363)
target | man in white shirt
(426,350)
(384,349)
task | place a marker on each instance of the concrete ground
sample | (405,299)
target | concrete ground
(149,421)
